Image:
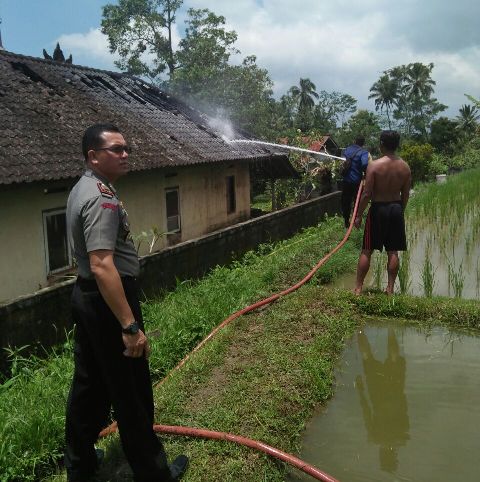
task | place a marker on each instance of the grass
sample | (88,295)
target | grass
(32,405)
(261,377)
(32,416)
(264,376)
(262,201)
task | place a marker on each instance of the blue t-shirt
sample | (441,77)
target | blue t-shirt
(359,163)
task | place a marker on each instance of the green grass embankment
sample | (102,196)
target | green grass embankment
(264,376)
(261,377)
(32,404)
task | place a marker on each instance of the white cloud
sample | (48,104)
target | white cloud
(343,45)
(88,48)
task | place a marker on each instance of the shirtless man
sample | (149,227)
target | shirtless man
(387,185)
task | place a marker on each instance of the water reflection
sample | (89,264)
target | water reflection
(404,409)
(384,404)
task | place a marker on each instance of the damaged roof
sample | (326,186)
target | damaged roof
(45,106)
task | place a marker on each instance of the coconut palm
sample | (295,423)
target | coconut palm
(385,93)
(468,118)
(418,82)
(419,88)
(304,94)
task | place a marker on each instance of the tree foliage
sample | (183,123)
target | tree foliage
(332,110)
(385,92)
(418,157)
(199,72)
(304,96)
(467,119)
(444,135)
(140,31)
(203,52)
(362,123)
(407,91)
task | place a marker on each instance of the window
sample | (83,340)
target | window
(231,201)
(173,209)
(57,249)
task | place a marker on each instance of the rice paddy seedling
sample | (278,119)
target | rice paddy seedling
(468,247)
(404,273)
(477,277)
(377,271)
(428,277)
(456,279)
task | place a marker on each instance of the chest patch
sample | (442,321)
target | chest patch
(111,206)
(104,191)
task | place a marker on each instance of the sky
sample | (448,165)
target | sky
(340,45)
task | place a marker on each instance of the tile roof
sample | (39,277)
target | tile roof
(45,107)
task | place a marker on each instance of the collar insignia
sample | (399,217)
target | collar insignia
(105,191)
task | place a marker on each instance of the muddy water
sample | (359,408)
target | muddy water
(456,246)
(406,408)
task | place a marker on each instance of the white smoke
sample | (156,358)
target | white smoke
(222,125)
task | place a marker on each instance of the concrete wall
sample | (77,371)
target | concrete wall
(44,316)
(22,256)
(202,196)
(202,193)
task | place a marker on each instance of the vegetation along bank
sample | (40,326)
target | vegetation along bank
(261,377)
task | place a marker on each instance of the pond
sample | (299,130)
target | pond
(405,409)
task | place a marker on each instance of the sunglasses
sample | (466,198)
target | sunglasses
(116,149)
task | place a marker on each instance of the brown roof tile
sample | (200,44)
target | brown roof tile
(45,107)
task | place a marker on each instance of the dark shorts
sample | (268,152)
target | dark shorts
(385,227)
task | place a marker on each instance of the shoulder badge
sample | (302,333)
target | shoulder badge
(104,190)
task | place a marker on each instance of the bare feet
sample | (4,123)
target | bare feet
(388,291)
(357,291)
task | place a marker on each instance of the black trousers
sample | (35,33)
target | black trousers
(103,378)
(349,194)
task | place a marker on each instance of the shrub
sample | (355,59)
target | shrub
(438,165)
(419,158)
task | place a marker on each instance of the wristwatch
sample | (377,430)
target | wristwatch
(131,329)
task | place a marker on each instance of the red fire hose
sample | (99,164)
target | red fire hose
(278,454)
(202,433)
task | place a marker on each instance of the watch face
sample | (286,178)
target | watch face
(131,329)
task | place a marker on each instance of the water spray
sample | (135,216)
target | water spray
(284,146)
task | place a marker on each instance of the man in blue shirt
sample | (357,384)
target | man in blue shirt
(351,180)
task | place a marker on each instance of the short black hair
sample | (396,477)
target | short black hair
(390,140)
(92,138)
(360,141)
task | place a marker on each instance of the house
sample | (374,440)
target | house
(185,179)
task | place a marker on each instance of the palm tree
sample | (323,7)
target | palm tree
(385,93)
(304,95)
(399,75)
(418,82)
(419,88)
(468,118)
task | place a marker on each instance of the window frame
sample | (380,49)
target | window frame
(46,214)
(178,216)
(231,194)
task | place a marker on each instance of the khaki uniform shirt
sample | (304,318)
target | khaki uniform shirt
(96,219)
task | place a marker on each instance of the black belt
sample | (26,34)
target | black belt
(91,284)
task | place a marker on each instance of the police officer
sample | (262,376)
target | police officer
(111,348)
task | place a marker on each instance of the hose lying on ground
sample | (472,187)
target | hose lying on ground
(195,432)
